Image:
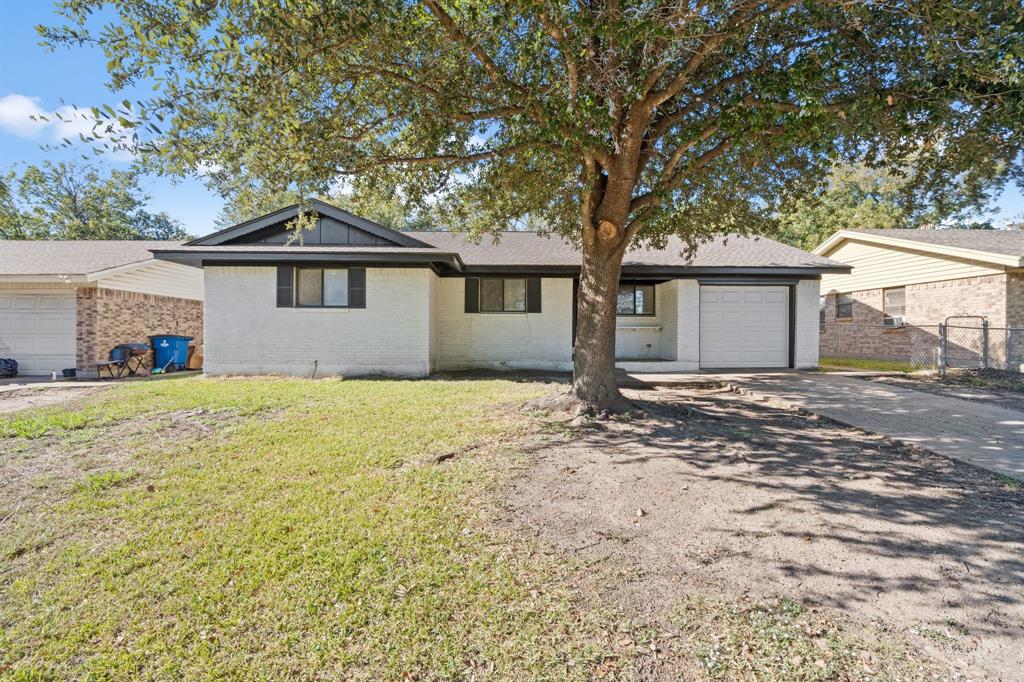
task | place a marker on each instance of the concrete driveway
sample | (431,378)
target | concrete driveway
(970,430)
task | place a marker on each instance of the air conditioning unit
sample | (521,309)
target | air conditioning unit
(893,321)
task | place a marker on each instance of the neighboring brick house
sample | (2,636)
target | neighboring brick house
(904,283)
(67,303)
(358,298)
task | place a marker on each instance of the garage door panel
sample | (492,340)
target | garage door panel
(38,330)
(744,326)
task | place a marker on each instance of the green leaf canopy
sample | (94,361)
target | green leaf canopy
(687,117)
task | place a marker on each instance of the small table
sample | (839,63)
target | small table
(131,366)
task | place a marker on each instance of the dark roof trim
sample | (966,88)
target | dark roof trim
(289,212)
(653,271)
(198,258)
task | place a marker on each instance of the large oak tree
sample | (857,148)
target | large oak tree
(611,122)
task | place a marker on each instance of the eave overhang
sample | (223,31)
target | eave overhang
(976,255)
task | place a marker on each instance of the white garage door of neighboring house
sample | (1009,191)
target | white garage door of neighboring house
(38,330)
(744,326)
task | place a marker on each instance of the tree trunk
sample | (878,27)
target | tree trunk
(594,385)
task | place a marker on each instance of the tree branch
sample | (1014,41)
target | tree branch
(496,75)
(738,19)
(561,38)
(452,159)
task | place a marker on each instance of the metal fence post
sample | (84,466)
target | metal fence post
(984,344)
(942,350)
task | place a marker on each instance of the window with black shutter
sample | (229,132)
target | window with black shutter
(503,295)
(308,287)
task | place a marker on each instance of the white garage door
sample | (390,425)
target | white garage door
(38,330)
(744,326)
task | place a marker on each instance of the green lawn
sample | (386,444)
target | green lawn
(295,529)
(269,529)
(832,363)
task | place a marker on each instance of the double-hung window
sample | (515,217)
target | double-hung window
(635,299)
(503,295)
(894,302)
(844,306)
(320,287)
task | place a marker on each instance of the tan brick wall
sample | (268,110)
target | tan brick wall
(933,302)
(927,306)
(108,317)
(1015,299)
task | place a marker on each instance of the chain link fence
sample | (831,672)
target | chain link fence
(960,342)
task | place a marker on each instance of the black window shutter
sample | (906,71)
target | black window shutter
(472,294)
(533,294)
(285,286)
(357,287)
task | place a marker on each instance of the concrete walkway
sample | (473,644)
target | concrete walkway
(970,430)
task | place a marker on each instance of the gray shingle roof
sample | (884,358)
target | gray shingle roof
(80,257)
(520,250)
(531,248)
(1004,242)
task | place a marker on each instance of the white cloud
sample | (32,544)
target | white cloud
(25,117)
(16,112)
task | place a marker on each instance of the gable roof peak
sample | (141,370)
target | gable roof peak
(322,208)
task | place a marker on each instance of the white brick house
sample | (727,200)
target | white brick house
(356,298)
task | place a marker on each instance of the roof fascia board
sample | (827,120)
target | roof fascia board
(836,240)
(198,257)
(117,270)
(36,279)
(659,271)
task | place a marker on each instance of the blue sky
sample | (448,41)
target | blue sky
(34,80)
(39,79)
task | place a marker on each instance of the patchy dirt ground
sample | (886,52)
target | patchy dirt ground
(992,386)
(36,473)
(24,398)
(718,495)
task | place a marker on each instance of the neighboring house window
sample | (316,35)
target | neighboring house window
(894,302)
(503,295)
(844,306)
(304,287)
(821,310)
(635,299)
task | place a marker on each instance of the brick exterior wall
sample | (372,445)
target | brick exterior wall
(995,297)
(105,318)
(1015,299)
(247,334)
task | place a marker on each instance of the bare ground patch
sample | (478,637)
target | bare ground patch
(730,501)
(37,473)
(25,398)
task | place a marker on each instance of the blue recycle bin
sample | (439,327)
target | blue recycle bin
(170,351)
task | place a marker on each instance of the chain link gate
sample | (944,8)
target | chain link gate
(963,345)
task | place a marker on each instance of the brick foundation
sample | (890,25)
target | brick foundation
(105,318)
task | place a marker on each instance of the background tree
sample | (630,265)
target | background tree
(71,200)
(613,122)
(856,196)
